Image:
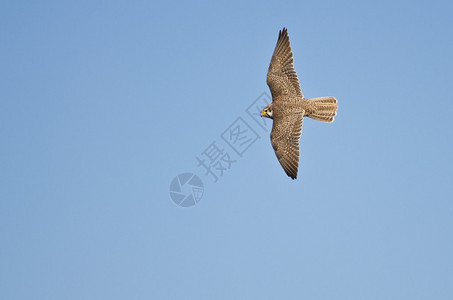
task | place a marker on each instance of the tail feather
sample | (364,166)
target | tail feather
(324,109)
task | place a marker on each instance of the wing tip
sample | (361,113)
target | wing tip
(283,32)
(291,172)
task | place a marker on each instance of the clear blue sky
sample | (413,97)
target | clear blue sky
(103,103)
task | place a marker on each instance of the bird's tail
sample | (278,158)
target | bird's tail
(324,109)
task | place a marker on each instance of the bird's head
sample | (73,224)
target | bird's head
(267,112)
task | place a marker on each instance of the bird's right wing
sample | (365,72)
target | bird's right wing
(285,136)
(281,76)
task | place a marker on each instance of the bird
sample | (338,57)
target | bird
(289,106)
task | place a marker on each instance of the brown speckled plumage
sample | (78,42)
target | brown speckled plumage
(289,106)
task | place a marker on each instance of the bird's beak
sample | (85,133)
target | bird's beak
(263,113)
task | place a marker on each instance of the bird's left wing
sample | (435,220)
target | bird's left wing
(281,76)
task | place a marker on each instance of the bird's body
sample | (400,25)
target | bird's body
(289,106)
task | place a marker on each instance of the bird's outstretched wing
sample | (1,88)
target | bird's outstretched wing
(285,136)
(281,76)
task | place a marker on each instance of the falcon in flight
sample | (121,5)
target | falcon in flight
(289,106)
